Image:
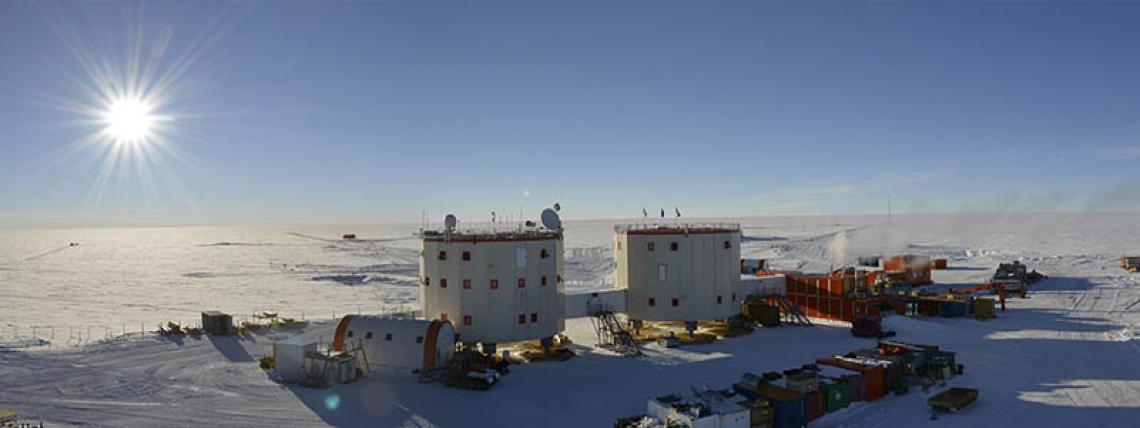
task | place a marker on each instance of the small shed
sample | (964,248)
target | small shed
(289,358)
(217,323)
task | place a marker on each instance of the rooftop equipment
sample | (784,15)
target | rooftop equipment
(216,323)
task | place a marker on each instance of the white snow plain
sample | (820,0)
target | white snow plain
(1063,357)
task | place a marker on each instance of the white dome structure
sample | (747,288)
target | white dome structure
(398,342)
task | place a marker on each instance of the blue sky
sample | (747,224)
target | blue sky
(379,111)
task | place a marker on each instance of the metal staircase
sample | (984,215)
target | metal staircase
(791,311)
(611,334)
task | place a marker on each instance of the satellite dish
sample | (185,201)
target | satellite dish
(450,221)
(557,206)
(550,219)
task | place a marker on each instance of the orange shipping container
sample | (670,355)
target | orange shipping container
(938,264)
(816,405)
(874,379)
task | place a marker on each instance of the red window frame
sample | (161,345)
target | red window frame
(467,320)
(522,318)
(494,284)
(521,282)
(467,284)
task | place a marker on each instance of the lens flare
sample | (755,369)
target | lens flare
(128,120)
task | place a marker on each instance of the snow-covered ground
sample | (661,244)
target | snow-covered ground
(1063,357)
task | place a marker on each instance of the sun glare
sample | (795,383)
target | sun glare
(128,120)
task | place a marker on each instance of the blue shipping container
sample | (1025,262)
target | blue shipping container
(791,409)
(952,309)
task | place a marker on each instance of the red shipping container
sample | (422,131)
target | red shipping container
(874,379)
(816,405)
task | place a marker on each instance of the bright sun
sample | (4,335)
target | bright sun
(128,120)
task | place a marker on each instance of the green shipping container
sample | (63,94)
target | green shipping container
(836,393)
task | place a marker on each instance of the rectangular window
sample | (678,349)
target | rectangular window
(719,299)
(419,339)
(443,283)
(388,337)
(543,254)
(427,281)
(733,297)
(368,335)
(349,333)
(467,284)
(673,246)
(676,302)
(662,272)
(443,255)
(466,256)
(543,280)
(522,283)
(520,257)
(649,246)
(652,302)
(534,317)
(443,317)
(727,245)
(494,284)
(467,320)
(522,318)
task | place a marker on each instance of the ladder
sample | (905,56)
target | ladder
(791,311)
(611,334)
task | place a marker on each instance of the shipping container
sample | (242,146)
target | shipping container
(790,405)
(836,394)
(875,386)
(952,308)
(909,269)
(938,264)
(816,405)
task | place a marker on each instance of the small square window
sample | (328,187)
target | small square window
(676,302)
(467,320)
(727,245)
(649,246)
(494,284)
(443,283)
(443,255)
(522,319)
(427,281)
(534,317)
(443,317)
(543,254)
(368,335)
(543,280)
(349,333)
(673,246)
(652,302)
(719,299)
(522,283)
(466,256)
(388,337)
(419,339)
(467,284)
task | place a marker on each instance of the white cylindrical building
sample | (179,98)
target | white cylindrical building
(494,286)
(678,272)
(397,342)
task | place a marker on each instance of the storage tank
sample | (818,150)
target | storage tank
(679,272)
(495,285)
(397,342)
